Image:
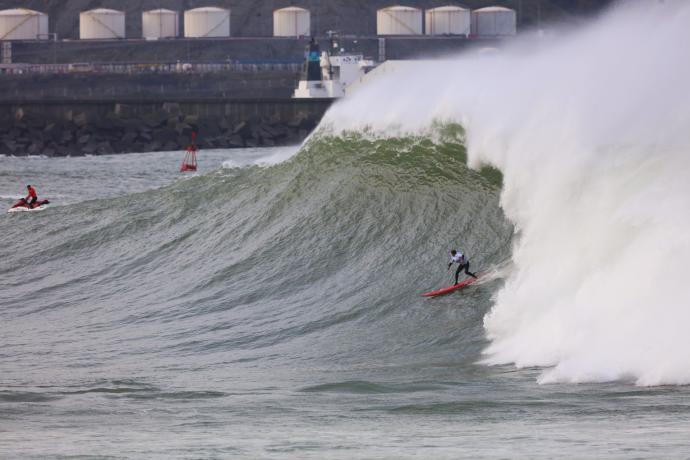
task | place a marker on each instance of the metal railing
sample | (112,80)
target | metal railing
(144,68)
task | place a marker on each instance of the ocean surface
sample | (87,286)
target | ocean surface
(263,310)
(269,305)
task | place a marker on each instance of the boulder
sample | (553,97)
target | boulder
(34,134)
(35,148)
(154,120)
(104,148)
(128,137)
(66,137)
(80,119)
(138,147)
(296,122)
(63,151)
(209,128)
(150,147)
(34,122)
(171,122)
(183,129)
(145,136)
(192,120)
(89,149)
(53,132)
(235,141)
(170,146)
(164,135)
(205,144)
(10,146)
(243,129)
(111,122)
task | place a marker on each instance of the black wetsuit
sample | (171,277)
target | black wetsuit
(462,266)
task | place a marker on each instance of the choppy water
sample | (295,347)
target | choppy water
(274,312)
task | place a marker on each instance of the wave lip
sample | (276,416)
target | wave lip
(589,128)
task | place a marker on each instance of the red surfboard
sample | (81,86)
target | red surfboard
(449,289)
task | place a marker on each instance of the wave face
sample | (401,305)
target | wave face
(312,260)
(590,129)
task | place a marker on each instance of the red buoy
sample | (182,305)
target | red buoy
(189,162)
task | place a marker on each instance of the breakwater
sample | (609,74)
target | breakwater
(122,125)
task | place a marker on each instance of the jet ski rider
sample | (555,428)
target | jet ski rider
(456,257)
(32,197)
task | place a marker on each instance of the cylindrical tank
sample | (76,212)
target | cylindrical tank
(493,21)
(399,20)
(23,24)
(291,22)
(448,20)
(160,23)
(101,23)
(207,22)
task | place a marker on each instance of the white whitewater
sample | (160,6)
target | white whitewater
(591,129)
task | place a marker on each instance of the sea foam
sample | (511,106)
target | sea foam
(591,129)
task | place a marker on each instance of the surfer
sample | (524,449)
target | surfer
(456,257)
(32,197)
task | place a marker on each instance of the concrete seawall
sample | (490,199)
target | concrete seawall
(79,127)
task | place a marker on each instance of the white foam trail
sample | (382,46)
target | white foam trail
(592,132)
(275,156)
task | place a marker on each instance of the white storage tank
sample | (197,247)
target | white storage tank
(23,24)
(160,23)
(399,20)
(291,22)
(448,20)
(494,21)
(209,21)
(101,23)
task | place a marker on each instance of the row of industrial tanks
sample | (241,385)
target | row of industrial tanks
(102,23)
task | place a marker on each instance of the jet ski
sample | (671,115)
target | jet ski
(23,205)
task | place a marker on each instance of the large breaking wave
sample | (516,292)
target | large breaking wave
(590,129)
(317,260)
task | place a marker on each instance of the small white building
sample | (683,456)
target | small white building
(160,23)
(291,22)
(448,20)
(494,21)
(208,21)
(101,23)
(399,20)
(23,24)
